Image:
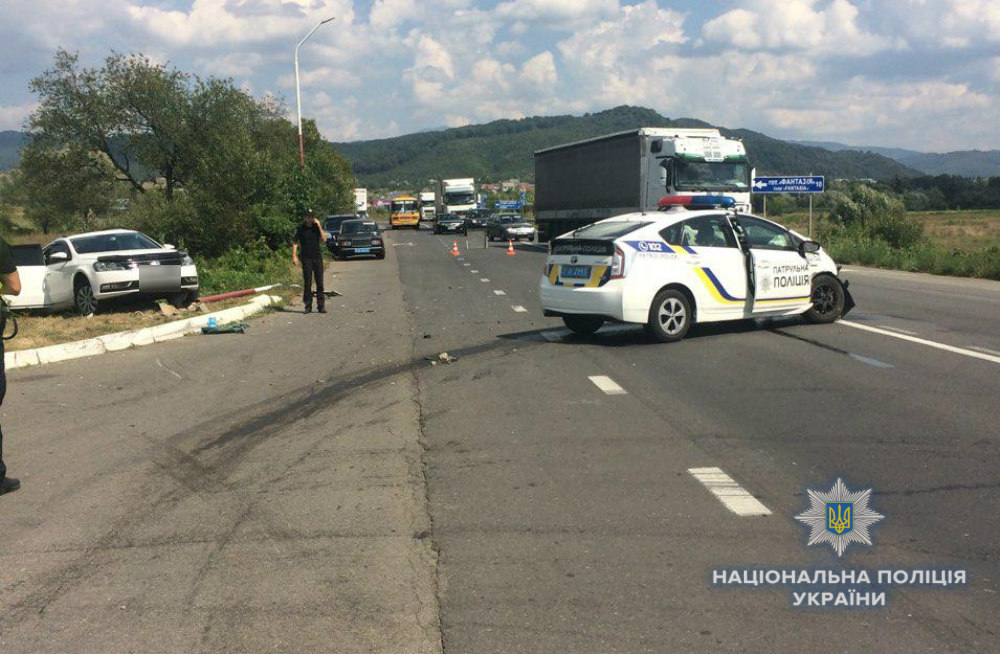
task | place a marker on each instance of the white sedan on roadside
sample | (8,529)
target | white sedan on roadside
(82,270)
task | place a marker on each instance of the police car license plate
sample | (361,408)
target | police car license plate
(575,272)
(363,250)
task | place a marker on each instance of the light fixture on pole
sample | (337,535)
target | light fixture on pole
(298,91)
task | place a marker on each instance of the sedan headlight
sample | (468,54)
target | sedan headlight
(107,266)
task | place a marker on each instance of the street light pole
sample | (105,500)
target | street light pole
(298,91)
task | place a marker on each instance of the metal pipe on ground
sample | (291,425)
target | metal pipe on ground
(232,294)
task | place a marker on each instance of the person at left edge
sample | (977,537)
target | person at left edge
(309,237)
(11,281)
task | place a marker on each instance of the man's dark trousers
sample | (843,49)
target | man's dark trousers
(312,267)
(3,392)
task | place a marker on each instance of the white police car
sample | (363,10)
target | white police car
(670,269)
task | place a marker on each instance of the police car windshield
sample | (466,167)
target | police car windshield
(612,229)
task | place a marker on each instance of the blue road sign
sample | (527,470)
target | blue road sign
(508,204)
(807,184)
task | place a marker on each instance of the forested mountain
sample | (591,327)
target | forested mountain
(964,163)
(503,149)
(10,149)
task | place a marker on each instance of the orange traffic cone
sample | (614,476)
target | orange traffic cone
(454,248)
(510,246)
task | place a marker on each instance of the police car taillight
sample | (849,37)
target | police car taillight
(618,264)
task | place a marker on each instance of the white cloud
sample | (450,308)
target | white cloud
(12,117)
(559,14)
(432,54)
(799,25)
(540,70)
(211,23)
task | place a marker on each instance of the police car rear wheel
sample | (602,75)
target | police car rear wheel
(583,325)
(669,316)
(827,300)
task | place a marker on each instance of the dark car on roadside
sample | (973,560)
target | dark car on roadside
(331,225)
(478,217)
(358,238)
(451,223)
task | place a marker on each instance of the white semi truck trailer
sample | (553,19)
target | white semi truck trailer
(586,181)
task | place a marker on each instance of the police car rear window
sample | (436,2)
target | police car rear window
(609,230)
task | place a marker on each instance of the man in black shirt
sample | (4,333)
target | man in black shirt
(11,282)
(309,238)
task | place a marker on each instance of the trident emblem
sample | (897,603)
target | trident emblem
(838,517)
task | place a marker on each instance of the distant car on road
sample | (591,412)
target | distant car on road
(477,218)
(509,226)
(451,223)
(359,238)
(82,271)
(331,225)
(669,270)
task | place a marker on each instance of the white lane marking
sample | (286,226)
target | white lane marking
(727,491)
(870,361)
(160,363)
(498,292)
(897,329)
(924,341)
(519,309)
(474,271)
(466,264)
(608,385)
(484,279)
(985,350)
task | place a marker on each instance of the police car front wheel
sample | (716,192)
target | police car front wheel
(669,316)
(827,300)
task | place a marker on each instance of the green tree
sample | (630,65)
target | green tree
(64,187)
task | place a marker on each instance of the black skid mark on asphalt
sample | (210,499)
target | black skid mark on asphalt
(853,355)
(311,400)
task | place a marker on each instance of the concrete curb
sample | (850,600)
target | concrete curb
(138,337)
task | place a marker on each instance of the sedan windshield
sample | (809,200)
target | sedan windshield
(356,227)
(114,242)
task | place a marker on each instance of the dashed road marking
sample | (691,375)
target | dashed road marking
(484,279)
(466,264)
(498,292)
(727,491)
(474,271)
(519,309)
(923,341)
(608,385)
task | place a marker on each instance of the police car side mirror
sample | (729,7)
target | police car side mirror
(808,247)
(58,257)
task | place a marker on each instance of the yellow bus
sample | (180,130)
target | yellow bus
(404,211)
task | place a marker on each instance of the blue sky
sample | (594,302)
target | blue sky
(919,74)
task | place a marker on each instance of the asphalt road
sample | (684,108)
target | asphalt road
(331,483)
(566,518)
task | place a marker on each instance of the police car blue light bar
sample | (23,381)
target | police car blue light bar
(696,202)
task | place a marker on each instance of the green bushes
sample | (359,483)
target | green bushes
(246,267)
(871,228)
